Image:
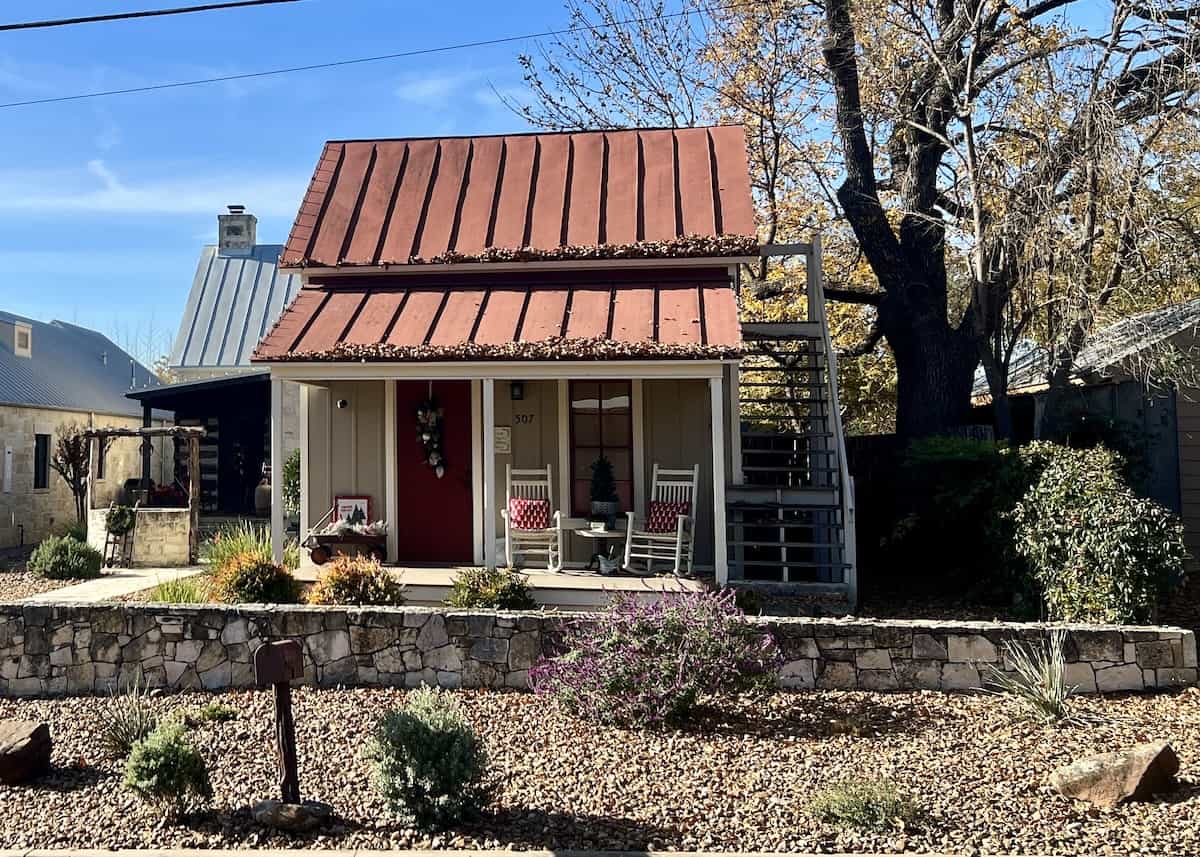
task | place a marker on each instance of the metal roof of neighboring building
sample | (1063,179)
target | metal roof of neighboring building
(72,368)
(1103,350)
(234,301)
(654,315)
(398,202)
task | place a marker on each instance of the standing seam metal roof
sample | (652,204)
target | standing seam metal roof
(234,301)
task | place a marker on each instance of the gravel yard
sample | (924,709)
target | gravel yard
(741,782)
(17,583)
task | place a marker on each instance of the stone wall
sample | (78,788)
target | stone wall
(160,539)
(71,648)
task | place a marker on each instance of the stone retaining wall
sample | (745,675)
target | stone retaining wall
(53,649)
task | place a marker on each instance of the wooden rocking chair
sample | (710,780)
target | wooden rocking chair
(532,526)
(668,533)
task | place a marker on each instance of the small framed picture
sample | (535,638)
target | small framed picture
(356,510)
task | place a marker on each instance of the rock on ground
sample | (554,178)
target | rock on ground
(1136,774)
(294,817)
(24,750)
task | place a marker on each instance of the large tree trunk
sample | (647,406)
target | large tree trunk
(935,369)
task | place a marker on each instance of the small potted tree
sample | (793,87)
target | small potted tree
(605,504)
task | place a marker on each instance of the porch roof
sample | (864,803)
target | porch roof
(664,317)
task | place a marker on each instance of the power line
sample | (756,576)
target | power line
(126,16)
(483,43)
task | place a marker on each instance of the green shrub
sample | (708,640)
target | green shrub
(291,483)
(864,805)
(1098,552)
(249,579)
(246,537)
(166,770)
(183,590)
(120,520)
(64,558)
(356,580)
(1038,680)
(429,766)
(496,589)
(126,718)
(213,712)
(78,532)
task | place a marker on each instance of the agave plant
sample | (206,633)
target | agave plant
(1038,677)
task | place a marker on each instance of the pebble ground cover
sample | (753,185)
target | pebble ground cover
(741,779)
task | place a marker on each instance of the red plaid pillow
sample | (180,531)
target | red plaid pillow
(663,516)
(529,514)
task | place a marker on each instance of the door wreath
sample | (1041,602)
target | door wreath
(429,432)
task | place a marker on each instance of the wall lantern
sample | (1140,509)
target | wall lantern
(517,391)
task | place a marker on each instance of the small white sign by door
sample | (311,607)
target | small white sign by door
(503,440)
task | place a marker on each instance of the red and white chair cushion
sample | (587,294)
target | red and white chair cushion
(529,514)
(662,516)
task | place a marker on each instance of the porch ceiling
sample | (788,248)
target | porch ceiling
(664,319)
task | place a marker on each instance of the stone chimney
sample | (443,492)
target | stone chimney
(236,232)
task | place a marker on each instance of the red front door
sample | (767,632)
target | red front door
(435,523)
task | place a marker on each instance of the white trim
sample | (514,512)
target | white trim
(477,504)
(489,472)
(566,498)
(720,551)
(639,449)
(306,273)
(305,453)
(391,476)
(736,475)
(277,521)
(378,371)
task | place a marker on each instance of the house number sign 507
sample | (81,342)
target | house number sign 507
(523,419)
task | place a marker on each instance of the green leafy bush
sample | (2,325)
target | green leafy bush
(429,765)
(166,770)
(78,532)
(182,590)
(1038,680)
(126,718)
(864,805)
(213,712)
(120,520)
(1099,552)
(649,664)
(356,580)
(496,589)
(245,537)
(291,483)
(64,558)
(249,579)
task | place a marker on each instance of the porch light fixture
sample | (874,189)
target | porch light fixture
(517,391)
(342,404)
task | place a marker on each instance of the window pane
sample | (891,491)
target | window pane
(584,456)
(41,461)
(585,397)
(622,461)
(617,396)
(617,430)
(587,429)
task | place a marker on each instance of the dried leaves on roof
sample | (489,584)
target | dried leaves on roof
(555,348)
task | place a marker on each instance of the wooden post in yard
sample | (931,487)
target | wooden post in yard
(193,498)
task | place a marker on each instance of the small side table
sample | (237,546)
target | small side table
(599,538)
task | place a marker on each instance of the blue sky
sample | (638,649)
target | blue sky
(104,203)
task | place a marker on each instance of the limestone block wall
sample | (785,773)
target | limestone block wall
(54,649)
(160,539)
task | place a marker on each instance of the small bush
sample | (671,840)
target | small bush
(78,532)
(166,770)
(1099,552)
(242,538)
(1038,680)
(213,712)
(429,765)
(248,579)
(291,483)
(64,558)
(649,664)
(356,580)
(496,589)
(865,806)
(126,718)
(182,590)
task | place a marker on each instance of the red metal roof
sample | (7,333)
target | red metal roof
(395,202)
(666,318)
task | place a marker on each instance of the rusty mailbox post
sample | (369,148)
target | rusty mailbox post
(277,664)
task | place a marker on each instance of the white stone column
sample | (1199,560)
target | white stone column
(489,472)
(720,552)
(391,475)
(277,516)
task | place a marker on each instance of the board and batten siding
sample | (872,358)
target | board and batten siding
(346,446)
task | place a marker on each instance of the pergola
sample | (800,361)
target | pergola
(192,434)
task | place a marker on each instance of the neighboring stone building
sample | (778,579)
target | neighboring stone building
(237,294)
(53,374)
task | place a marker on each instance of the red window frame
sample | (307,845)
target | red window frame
(581,485)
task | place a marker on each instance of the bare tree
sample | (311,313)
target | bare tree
(70,460)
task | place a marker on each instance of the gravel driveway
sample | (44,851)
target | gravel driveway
(741,782)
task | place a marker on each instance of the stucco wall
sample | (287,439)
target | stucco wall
(73,648)
(43,512)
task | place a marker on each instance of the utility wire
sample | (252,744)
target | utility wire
(483,43)
(127,16)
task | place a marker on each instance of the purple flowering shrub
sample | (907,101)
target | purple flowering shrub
(649,664)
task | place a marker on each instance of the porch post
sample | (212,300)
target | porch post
(489,472)
(277,532)
(720,552)
(147,448)
(391,476)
